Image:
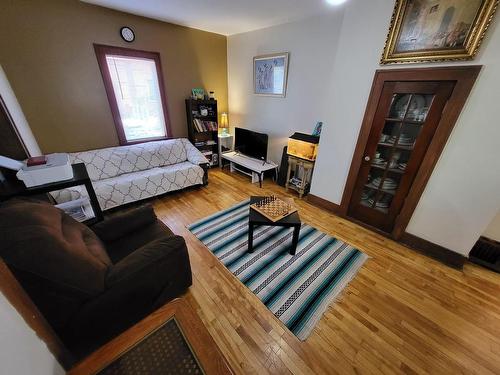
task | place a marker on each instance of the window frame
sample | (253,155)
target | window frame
(101,51)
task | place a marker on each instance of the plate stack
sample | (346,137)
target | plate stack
(402,166)
(384,202)
(367,194)
(388,184)
(404,140)
(384,137)
(379,162)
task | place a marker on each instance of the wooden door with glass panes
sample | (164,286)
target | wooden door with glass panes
(405,121)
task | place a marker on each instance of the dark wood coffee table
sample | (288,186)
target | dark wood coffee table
(291,221)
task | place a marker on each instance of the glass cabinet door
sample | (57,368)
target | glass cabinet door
(406,117)
(403,126)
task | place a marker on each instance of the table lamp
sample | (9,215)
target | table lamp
(303,146)
(224,125)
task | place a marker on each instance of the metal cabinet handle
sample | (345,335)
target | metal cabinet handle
(367,158)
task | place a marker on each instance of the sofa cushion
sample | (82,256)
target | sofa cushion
(115,161)
(134,186)
(38,238)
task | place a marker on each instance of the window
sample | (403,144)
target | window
(135,90)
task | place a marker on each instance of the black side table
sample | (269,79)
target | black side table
(291,221)
(10,189)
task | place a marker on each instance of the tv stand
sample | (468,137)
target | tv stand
(252,167)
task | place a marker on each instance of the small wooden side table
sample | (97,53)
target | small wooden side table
(10,189)
(306,166)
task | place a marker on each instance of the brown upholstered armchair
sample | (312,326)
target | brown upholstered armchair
(92,284)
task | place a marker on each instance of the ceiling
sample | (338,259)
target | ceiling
(225,17)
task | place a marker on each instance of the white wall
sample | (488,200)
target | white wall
(493,230)
(312,55)
(461,197)
(21,351)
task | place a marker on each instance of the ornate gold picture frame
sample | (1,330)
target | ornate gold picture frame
(437,30)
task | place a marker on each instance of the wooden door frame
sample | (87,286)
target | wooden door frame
(464,78)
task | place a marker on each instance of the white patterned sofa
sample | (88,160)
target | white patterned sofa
(125,174)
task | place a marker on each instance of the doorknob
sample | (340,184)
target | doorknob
(367,158)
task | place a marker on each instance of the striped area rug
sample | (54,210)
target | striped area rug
(297,289)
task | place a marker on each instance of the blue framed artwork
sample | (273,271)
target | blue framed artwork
(270,74)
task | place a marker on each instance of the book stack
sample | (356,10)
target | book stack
(204,126)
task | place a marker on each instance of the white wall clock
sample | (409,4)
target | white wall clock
(127,34)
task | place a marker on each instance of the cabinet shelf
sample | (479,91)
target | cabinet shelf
(381,209)
(401,147)
(407,121)
(207,132)
(373,187)
(383,168)
(213,117)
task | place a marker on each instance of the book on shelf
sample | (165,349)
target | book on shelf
(204,126)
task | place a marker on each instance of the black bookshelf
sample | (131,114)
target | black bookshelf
(203,129)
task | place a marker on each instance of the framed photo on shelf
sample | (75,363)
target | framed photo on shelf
(270,74)
(437,30)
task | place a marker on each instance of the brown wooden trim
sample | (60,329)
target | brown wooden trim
(18,298)
(336,210)
(101,51)
(490,241)
(464,76)
(465,80)
(438,252)
(323,203)
(202,344)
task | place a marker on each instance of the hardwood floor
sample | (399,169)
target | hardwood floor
(403,312)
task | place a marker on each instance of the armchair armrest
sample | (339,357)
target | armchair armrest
(145,259)
(196,157)
(123,223)
(193,154)
(137,285)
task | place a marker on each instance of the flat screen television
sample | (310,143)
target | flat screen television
(250,143)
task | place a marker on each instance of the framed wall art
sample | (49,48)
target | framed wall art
(437,30)
(270,74)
